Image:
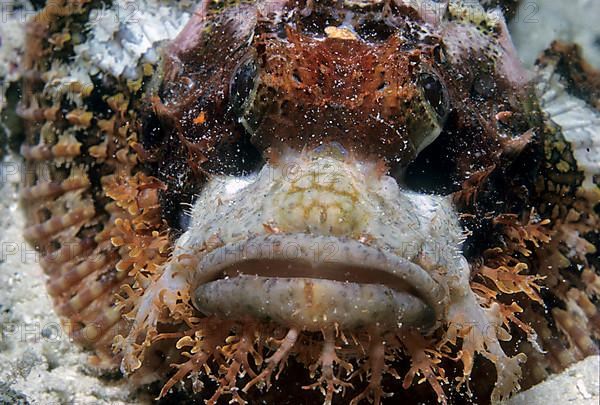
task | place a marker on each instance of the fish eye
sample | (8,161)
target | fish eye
(242,85)
(435,94)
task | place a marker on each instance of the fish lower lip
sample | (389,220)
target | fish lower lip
(311,281)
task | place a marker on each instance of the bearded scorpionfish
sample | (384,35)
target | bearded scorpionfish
(313,200)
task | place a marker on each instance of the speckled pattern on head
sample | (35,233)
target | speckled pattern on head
(312,200)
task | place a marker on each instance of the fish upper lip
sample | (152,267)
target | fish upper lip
(326,257)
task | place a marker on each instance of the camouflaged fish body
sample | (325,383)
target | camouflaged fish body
(315,195)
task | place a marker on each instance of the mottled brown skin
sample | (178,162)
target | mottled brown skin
(104,201)
(293,86)
(361,95)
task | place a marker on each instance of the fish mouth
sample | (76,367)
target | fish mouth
(313,282)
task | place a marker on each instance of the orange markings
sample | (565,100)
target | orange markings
(200,119)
